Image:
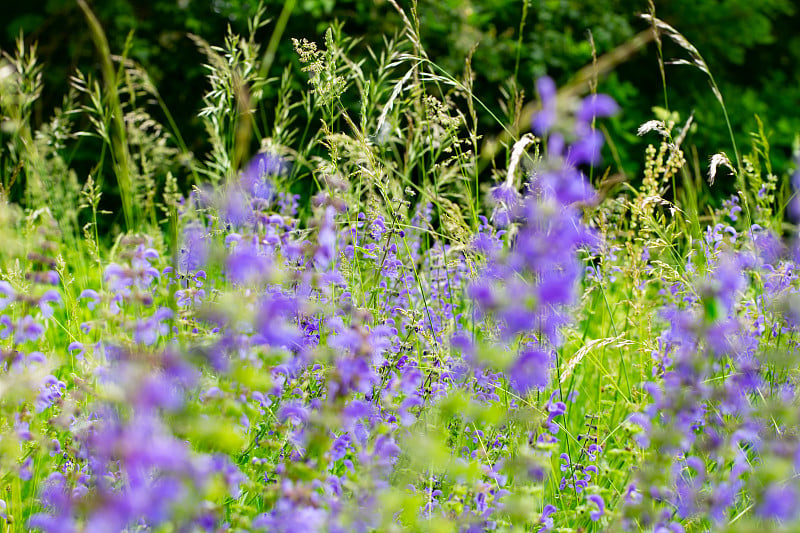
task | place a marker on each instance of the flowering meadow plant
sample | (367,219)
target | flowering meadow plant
(399,349)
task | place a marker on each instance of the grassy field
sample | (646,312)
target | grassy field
(332,322)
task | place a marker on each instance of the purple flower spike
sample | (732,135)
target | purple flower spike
(546,520)
(46,299)
(531,370)
(546,88)
(601,505)
(7,294)
(597,106)
(780,503)
(544,119)
(294,411)
(327,239)
(76,346)
(236,208)
(90,295)
(586,150)
(28,330)
(256,177)
(194,250)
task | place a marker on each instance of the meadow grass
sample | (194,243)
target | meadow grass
(332,321)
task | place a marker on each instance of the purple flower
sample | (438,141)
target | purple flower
(246,266)
(356,409)
(256,176)
(77,346)
(194,250)
(36,358)
(601,506)
(507,202)
(273,321)
(293,411)
(236,209)
(779,502)
(543,121)
(546,519)
(353,374)
(596,106)
(51,391)
(27,329)
(148,330)
(8,326)
(586,150)
(92,296)
(7,294)
(531,370)
(25,473)
(326,239)
(46,299)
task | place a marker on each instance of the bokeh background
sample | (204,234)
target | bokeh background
(752,48)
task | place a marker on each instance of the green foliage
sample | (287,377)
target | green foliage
(751,52)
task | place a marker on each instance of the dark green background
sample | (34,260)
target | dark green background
(752,48)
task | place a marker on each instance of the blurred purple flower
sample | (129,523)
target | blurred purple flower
(256,176)
(194,249)
(236,208)
(294,412)
(596,106)
(531,370)
(601,506)
(545,119)
(27,329)
(78,347)
(246,265)
(49,297)
(586,150)
(92,296)
(779,502)
(7,294)
(275,321)
(546,519)
(326,239)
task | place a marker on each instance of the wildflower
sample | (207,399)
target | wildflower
(194,250)
(596,106)
(546,519)
(531,370)
(247,265)
(27,329)
(779,502)
(255,178)
(326,239)
(236,209)
(7,294)
(601,506)
(45,300)
(294,412)
(545,119)
(92,296)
